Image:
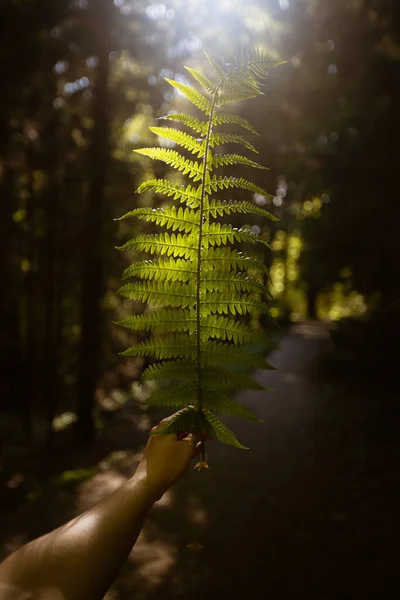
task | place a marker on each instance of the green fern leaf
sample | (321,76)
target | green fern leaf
(163,269)
(221,183)
(177,346)
(220,207)
(178,395)
(218,234)
(190,121)
(222,118)
(158,293)
(227,258)
(180,137)
(162,321)
(225,303)
(238,282)
(228,380)
(189,194)
(219,71)
(186,420)
(222,433)
(193,95)
(198,288)
(218,139)
(173,218)
(170,371)
(226,329)
(221,160)
(174,159)
(163,243)
(223,404)
(205,83)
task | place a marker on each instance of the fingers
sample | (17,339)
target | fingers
(192,439)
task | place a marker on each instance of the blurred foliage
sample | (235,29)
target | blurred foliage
(81,82)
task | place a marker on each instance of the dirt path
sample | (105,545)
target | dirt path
(300,516)
(310,512)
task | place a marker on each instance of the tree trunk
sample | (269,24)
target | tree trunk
(92,273)
(312,296)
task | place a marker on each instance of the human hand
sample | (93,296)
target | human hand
(166,458)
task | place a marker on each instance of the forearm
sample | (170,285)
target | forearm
(81,559)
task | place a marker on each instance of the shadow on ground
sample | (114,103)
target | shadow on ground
(310,512)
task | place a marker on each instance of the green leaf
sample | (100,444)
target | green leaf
(193,95)
(205,83)
(226,329)
(222,433)
(223,404)
(222,118)
(218,234)
(188,167)
(164,243)
(162,269)
(221,183)
(190,121)
(226,259)
(186,420)
(162,321)
(171,370)
(221,160)
(158,293)
(220,207)
(218,139)
(176,346)
(173,218)
(178,395)
(180,137)
(225,303)
(189,194)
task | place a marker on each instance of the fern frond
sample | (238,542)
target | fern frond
(190,121)
(221,183)
(223,118)
(205,83)
(188,194)
(178,395)
(226,379)
(219,71)
(221,160)
(215,281)
(176,346)
(163,269)
(221,431)
(218,139)
(163,243)
(226,259)
(220,354)
(221,207)
(162,321)
(173,218)
(218,235)
(171,370)
(186,420)
(225,303)
(195,97)
(226,329)
(171,157)
(158,293)
(223,404)
(181,138)
(198,289)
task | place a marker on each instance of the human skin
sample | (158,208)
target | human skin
(81,559)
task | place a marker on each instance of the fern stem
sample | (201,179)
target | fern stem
(203,188)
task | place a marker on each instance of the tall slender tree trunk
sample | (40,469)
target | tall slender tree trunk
(93,268)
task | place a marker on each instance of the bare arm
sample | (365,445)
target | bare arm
(81,559)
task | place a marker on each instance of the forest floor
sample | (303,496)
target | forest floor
(311,512)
